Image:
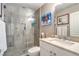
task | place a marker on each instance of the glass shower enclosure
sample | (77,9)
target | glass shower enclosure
(19,31)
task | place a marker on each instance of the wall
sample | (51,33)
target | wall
(70,9)
(48,30)
(37,27)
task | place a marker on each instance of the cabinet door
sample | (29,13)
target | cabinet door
(46,49)
(45,52)
(50,50)
(62,52)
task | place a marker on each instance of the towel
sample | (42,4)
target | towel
(3,43)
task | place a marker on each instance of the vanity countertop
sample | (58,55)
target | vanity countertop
(72,47)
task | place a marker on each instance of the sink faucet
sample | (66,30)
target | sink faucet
(66,38)
(43,35)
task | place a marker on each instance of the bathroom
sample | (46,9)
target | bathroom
(39,29)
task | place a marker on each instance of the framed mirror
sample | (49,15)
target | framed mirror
(63,19)
(74,24)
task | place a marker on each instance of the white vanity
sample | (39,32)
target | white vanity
(58,47)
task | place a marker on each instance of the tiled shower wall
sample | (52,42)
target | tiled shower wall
(18,35)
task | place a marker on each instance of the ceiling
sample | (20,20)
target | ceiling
(63,6)
(33,6)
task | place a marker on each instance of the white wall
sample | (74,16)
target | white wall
(48,30)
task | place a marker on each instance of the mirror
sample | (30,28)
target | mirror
(63,19)
(74,24)
(0,9)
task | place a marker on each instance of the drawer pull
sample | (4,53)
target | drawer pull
(54,54)
(50,51)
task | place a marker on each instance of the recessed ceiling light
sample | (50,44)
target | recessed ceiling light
(57,4)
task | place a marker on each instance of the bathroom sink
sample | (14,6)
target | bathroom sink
(60,41)
(63,42)
(69,42)
(53,39)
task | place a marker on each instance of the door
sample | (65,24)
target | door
(19,36)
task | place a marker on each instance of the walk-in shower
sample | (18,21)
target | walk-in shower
(19,31)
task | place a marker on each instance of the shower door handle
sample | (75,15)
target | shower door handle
(0,50)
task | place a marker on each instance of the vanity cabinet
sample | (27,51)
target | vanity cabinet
(49,50)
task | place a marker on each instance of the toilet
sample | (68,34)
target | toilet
(34,51)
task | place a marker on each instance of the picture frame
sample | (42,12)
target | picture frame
(46,19)
(63,19)
(0,9)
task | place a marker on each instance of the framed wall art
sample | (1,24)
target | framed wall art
(46,19)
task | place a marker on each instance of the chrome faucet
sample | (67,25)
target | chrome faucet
(65,38)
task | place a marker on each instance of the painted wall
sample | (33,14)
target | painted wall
(48,30)
(70,9)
